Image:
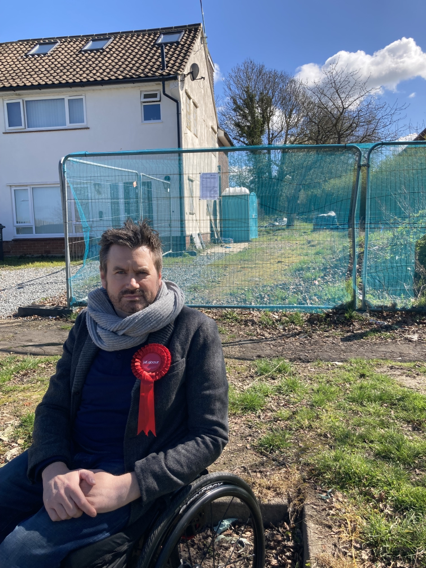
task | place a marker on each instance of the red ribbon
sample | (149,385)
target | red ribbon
(149,364)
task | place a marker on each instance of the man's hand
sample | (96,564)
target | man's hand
(110,492)
(63,497)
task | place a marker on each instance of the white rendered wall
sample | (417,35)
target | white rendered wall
(202,93)
(114,123)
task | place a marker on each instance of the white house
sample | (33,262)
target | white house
(100,93)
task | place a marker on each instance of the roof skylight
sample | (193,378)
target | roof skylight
(97,44)
(42,48)
(174,37)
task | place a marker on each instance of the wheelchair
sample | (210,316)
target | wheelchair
(214,522)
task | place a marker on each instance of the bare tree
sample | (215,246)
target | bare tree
(340,108)
(261,106)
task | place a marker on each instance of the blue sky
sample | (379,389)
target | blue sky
(284,34)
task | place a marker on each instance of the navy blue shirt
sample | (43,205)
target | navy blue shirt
(105,403)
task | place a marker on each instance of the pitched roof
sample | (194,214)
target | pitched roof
(130,56)
(421,135)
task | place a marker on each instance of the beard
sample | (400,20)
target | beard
(128,306)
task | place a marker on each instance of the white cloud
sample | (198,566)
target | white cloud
(401,60)
(217,74)
(407,138)
(412,96)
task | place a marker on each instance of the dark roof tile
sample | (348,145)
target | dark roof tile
(130,55)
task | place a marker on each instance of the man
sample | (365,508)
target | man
(91,470)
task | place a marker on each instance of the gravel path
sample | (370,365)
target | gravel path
(24,286)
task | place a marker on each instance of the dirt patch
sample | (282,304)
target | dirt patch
(248,335)
(314,348)
(33,336)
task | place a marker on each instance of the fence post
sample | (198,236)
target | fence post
(367,230)
(66,232)
(354,230)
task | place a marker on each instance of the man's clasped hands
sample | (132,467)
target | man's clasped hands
(67,494)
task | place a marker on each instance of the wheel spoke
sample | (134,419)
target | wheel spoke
(213,531)
(236,542)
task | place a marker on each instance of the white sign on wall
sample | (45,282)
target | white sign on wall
(209,186)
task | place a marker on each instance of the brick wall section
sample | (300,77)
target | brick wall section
(39,247)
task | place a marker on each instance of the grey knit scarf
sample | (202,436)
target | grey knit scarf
(111,332)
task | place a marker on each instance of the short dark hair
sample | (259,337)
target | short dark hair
(132,235)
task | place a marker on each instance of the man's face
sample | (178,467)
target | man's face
(131,279)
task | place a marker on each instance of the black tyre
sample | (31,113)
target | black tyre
(213,523)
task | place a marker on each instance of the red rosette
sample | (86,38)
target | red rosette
(149,364)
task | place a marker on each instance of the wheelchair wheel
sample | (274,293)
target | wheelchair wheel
(213,523)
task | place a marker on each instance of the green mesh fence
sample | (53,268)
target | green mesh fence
(394,264)
(266,227)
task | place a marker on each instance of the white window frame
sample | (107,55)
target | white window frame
(157,99)
(71,208)
(162,38)
(24,128)
(6,117)
(88,44)
(52,43)
(148,103)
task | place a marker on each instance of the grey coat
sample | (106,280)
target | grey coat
(191,408)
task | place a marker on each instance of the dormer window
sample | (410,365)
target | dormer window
(95,44)
(174,37)
(43,48)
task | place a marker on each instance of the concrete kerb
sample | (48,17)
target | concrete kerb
(313,545)
(275,512)
(44,311)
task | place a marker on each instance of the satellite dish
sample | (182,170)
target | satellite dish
(195,70)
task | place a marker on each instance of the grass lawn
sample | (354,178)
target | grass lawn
(349,428)
(18,262)
(352,429)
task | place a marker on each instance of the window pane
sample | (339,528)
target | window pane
(148,210)
(115,205)
(76,111)
(24,230)
(83,208)
(151,112)
(131,201)
(169,38)
(14,117)
(42,48)
(47,210)
(45,113)
(96,44)
(22,207)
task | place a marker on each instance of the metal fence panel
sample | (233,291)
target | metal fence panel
(279,233)
(394,267)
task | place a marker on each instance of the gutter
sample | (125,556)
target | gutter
(78,85)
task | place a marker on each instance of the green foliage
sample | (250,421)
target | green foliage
(25,429)
(295,318)
(252,399)
(19,262)
(249,119)
(273,367)
(14,365)
(274,441)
